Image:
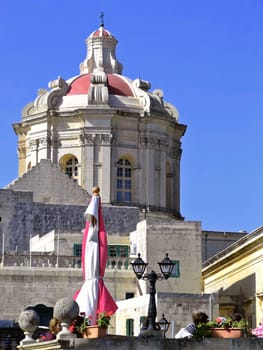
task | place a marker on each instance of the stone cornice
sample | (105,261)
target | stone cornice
(153,143)
(90,139)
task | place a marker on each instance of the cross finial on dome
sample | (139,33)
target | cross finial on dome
(102,19)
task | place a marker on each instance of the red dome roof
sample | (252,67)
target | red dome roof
(101,32)
(117,85)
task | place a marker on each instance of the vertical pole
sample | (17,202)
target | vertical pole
(173,328)
(57,247)
(152,304)
(30,257)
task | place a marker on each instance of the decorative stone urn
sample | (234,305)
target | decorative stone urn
(28,321)
(66,310)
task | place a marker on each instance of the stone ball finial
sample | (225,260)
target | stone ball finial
(66,310)
(28,320)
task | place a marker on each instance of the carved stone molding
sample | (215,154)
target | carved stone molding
(176,153)
(33,145)
(21,149)
(59,88)
(149,142)
(44,142)
(47,100)
(87,139)
(99,139)
(105,139)
(98,92)
(142,84)
(163,146)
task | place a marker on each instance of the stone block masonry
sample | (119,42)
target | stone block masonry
(22,218)
(136,343)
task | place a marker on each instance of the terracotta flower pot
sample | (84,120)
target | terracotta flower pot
(227,332)
(95,332)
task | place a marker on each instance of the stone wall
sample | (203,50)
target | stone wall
(135,343)
(22,218)
(22,287)
(179,308)
(50,185)
(159,234)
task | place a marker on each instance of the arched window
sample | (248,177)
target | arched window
(124,181)
(71,168)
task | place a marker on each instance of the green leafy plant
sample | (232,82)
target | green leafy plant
(228,322)
(79,325)
(203,330)
(83,324)
(103,319)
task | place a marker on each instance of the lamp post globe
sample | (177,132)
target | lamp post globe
(139,267)
(166,266)
(164,325)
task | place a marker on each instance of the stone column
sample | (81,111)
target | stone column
(44,148)
(87,170)
(21,157)
(162,184)
(34,152)
(150,186)
(106,167)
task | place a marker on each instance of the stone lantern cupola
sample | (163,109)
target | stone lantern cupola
(101,53)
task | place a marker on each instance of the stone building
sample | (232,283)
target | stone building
(236,274)
(103,128)
(100,128)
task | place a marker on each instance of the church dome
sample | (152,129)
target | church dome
(116,84)
(101,127)
(101,83)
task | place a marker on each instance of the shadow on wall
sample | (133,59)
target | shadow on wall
(240,297)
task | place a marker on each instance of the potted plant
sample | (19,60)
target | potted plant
(100,329)
(203,330)
(103,319)
(83,328)
(228,327)
(79,325)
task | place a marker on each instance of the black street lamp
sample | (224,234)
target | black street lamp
(166,267)
(164,325)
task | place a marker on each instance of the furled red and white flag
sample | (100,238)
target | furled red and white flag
(94,297)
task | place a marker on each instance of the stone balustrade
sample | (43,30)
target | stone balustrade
(52,260)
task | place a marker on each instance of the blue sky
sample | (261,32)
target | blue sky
(205,55)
